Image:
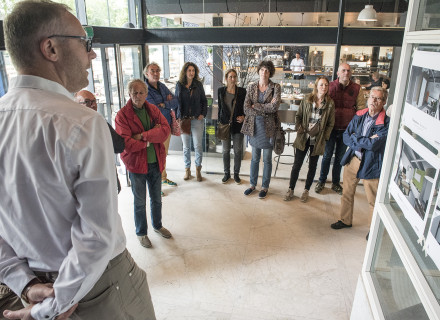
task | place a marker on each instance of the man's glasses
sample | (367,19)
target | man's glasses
(87,40)
(89,103)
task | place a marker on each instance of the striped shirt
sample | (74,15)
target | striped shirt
(315,116)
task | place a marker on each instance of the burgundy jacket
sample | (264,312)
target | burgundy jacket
(346,102)
(128,124)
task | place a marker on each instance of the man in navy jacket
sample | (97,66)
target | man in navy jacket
(365,137)
(161,97)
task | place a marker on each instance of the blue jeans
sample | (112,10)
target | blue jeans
(237,139)
(138,185)
(197,127)
(335,140)
(255,166)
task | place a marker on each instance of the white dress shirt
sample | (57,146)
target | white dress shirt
(58,188)
(297,65)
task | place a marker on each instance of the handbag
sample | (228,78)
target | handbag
(224,130)
(175,127)
(314,129)
(279,139)
(185,125)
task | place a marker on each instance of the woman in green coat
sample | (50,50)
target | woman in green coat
(314,123)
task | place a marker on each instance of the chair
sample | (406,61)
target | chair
(288,117)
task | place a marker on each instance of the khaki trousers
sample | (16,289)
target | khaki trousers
(166,143)
(121,293)
(350,181)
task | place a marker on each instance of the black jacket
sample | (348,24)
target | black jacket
(223,112)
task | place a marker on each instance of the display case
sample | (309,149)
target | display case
(401,271)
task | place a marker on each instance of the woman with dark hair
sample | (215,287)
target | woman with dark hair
(193,107)
(314,123)
(260,123)
(230,106)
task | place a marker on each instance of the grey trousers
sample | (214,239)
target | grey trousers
(237,139)
(121,293)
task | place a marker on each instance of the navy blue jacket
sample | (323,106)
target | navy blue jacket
(372,149)
(192,101)
(159,95)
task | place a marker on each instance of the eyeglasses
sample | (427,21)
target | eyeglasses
(89,103)
(87,40)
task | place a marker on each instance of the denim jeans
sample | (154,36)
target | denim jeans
(197,127)
(297,164)
(237,139)
(335,140)
(255,166)
(139,183)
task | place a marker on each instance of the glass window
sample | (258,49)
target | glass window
(412,197)
(386,14)
(108,13)
(131,63)
(396,293)
(174,13)
(428,17)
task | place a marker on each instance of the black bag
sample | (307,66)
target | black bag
(279,139)
(223,131)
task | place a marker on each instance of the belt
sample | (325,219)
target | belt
(50,277)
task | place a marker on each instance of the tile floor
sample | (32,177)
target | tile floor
(234,257)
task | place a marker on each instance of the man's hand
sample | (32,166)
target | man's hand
(40,291)
(200,117)
(25,313)
(137,136)
(374,136)
(240,119)
(169,97)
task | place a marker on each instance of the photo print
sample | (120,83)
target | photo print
(422,101)
(414,181)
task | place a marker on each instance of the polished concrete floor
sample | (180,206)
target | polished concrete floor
(234,257)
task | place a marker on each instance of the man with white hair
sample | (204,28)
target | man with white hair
(365,137)
(57,161)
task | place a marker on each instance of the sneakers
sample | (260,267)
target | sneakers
(262,194)
(169,183)
(319,187)
(289,195)
(163,232)
(144,241)
(340,225)
(249,191)
(226,177)
(336,187)
(237,178)
(305,196)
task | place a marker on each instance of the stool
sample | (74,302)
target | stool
(288,117)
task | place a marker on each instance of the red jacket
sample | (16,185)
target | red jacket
(128,124)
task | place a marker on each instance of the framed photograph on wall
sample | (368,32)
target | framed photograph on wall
(422,101)
(414,177)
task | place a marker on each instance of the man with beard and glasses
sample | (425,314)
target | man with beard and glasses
(62,246)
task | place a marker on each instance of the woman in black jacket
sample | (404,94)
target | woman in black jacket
(231,99)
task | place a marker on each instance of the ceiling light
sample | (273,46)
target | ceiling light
(368,14)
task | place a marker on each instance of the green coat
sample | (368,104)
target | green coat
(327,123)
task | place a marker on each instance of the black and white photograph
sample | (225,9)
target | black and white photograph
(422,101)
(414,180)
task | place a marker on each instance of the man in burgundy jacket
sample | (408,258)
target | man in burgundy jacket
(349,98)
(144,130)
